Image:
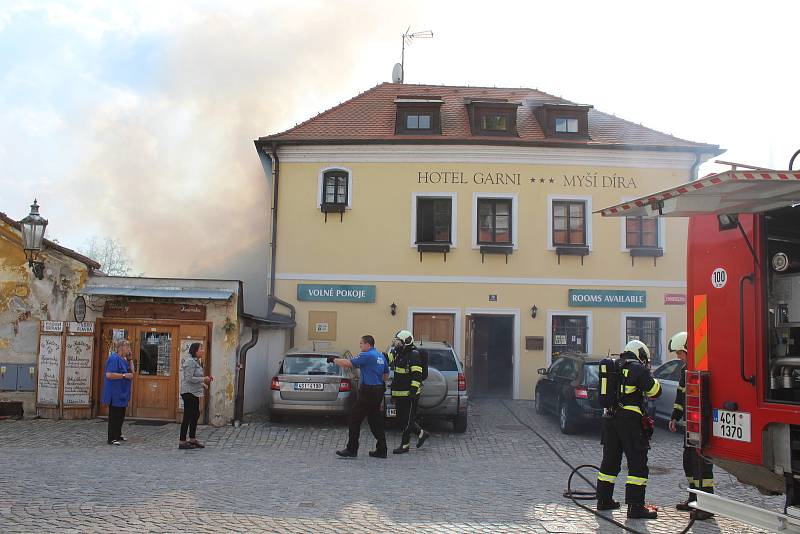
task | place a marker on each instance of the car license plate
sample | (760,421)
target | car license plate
(731,425)
(391,411)
(315,386)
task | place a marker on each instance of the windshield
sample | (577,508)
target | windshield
(591,374)
(308,365)
(443,360)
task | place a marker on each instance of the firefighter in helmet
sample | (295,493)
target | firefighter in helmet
(627,429)
(406,361)
(699,471)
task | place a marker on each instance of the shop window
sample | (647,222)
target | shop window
(648,331)
(335,192)
(566,125)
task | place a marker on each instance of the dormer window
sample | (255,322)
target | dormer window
(566,125)
(492,117)
(418,116)
(570,121)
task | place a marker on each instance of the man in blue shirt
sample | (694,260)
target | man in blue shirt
(374,372)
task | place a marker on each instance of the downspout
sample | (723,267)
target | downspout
(694,167)
(238,409)
(273,156)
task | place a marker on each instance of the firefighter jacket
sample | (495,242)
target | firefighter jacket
(637,381)
(407,366)
(679,408)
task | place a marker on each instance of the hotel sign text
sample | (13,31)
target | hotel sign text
(587,180)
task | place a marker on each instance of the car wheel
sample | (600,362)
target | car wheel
(538,404)
(460,423)
(565,423)
(275,418)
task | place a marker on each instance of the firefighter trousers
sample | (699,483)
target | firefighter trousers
(699,471)
(407,417)
(623,434)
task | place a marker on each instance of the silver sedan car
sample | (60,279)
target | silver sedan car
(307,384)
(668,374)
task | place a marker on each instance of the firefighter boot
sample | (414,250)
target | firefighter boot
(605,496)
(684,506)
(640,511)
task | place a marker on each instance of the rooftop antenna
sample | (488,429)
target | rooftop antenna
(408,38)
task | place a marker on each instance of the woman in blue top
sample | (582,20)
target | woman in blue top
(117,389)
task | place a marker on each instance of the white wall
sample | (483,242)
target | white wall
(262,364)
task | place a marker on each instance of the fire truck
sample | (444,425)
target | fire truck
(743,308)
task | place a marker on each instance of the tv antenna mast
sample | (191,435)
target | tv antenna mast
(398,75)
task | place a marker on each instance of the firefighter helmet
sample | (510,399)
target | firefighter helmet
(678,342)
(405,338)
(639,351)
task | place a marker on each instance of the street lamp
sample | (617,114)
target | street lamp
(32,237)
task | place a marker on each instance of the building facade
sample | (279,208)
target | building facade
(466,215)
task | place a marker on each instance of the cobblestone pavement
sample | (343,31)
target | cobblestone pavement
(60,476)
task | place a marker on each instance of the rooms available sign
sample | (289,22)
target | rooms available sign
(607,298)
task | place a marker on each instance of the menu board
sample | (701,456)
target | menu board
(78,370)
(49,365)
(164,355)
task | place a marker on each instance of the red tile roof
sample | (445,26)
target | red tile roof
(370,117)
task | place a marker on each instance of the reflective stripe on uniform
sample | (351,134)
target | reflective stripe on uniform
(603,386)
(636,481)
(416,368)
(415,384)
(629,389)
(681,389)
(708,483)
(677,407)
(401,370)
(399,393)
(655,389)
(633,409)
(692,482)
(606,478)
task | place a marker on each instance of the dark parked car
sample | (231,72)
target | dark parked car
(668,374)
(568,388)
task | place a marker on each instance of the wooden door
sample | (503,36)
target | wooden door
(155,351)
(434,327)
(111,331)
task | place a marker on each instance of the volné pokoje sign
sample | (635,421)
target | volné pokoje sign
(335,293)
(607,298)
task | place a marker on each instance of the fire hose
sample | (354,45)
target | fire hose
(576,495)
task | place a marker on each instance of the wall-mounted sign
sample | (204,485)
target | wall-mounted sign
(607,298)
(589,180)
(78,370)
(492,298)
(52,326)
(675,299)
(79,309)
(155,310)
(49,366)
(335,293)
(81,328)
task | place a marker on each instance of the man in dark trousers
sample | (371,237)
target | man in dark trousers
(406,361)
(699,471)
(374,373)
(625,431)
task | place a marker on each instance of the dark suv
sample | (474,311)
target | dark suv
(569,389)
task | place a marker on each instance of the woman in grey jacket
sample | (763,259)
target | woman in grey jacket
(192,386)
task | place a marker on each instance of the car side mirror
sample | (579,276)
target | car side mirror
(542,371)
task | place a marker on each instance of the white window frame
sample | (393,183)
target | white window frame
(453,215)
(567,123)
(517,337)
(514,216)
(321,177)
(623,327)
(662,226)
(587,219)
(572,313)
(458,330)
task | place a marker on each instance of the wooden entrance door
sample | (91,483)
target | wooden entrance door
(111,331)
(155,350)
(434,327)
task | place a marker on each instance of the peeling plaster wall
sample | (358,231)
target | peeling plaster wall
(24,301)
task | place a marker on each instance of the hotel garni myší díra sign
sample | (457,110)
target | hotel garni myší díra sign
(607,298)
(335,293)
(590,179)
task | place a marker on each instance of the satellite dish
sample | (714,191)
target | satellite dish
(397,73)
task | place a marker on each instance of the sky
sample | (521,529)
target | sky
(136,120)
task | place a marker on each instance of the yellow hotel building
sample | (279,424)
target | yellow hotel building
(465,214)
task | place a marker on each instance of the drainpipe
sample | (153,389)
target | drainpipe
(238,408)
(694,168)
(272,300)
